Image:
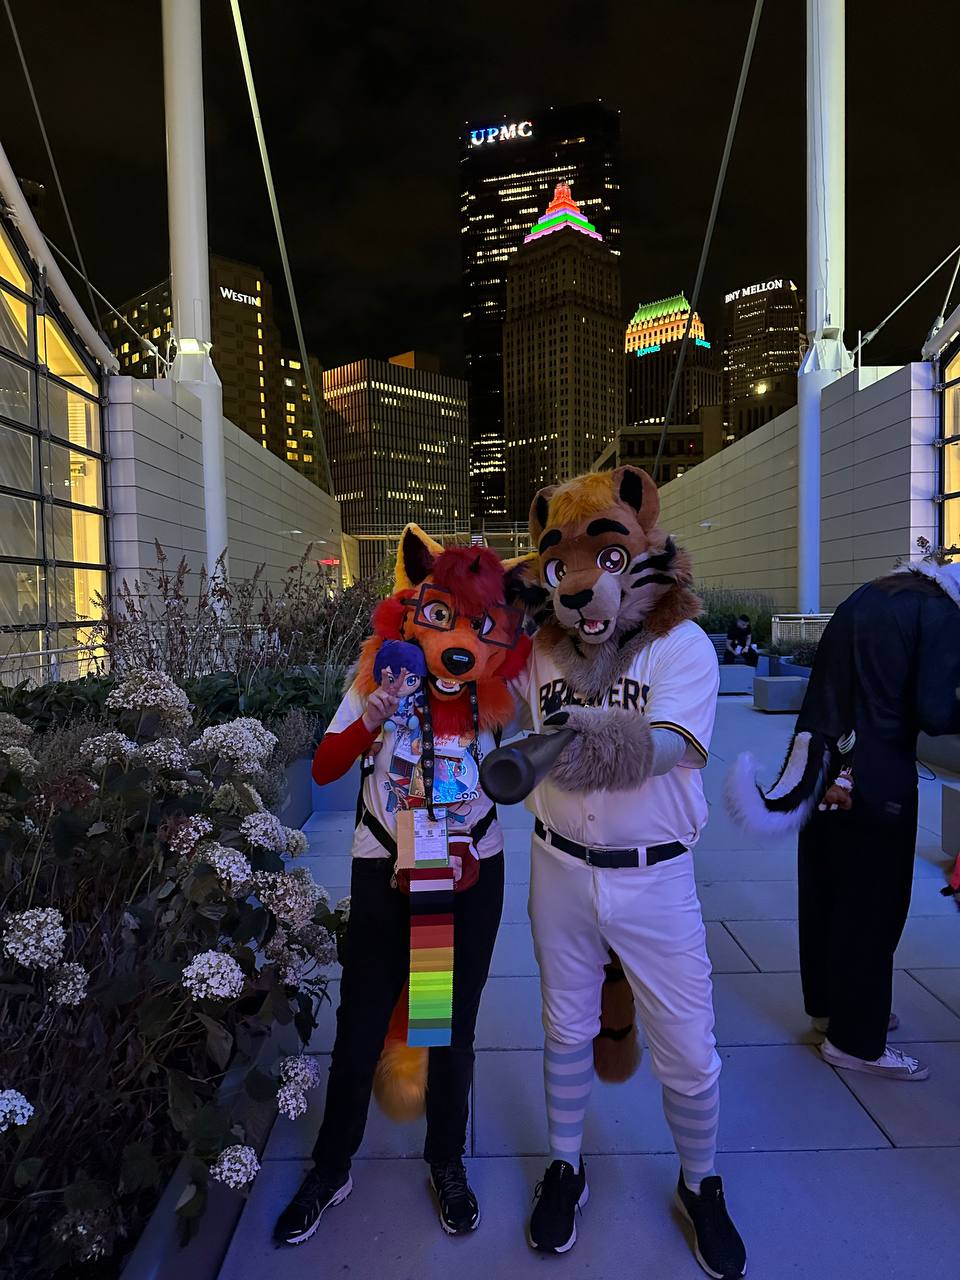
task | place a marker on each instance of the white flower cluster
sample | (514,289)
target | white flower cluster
(21,760)
(291,1101)
(297,1075)
(243,744)
(89,1233)
(236,799)
(343,909)
(14,1109)
(104,747)
(236,1166)
(319,944)
(35,938)
(151,691)
(70,984)
(13,731)
(188,835)
(212,975)
(165,754)
(233,870)
(264,831)
(292,897)
(297,842)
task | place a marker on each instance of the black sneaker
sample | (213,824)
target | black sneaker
(553,1223)
(459,1210)
(317,1193)
(718,1247)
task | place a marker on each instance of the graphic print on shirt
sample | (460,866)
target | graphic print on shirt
(627,693)
(456,772)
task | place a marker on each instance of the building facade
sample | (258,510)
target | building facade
(397,435)
(686,446)
(53,529)
(652,345)
(254,370)
(764,339)
(509,170)
(562,359)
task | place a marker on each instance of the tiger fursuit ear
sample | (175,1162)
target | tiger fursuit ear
(415,557)
(634,488)
(539,511)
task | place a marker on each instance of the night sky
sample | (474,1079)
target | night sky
(363,106)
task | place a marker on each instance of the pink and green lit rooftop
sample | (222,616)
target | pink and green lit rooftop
(562,212)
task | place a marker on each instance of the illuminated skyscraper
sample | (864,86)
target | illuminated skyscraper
(765,342)
(259,381)
(509,170)
(397,437)
(562,352)
(652,345)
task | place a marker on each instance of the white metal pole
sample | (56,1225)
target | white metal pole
(189,252)
(826,357)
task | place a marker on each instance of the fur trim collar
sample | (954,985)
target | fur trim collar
(592,669)
(946,576)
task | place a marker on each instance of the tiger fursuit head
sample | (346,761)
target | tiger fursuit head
(605,581)
(443,600)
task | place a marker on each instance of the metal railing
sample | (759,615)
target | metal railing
(797,628)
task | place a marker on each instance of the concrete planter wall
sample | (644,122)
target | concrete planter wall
(940,753)
(298,805)
(338,796)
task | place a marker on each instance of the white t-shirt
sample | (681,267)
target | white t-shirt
(673,682)
(397,775)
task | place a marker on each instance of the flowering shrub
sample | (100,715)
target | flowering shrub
(150,936)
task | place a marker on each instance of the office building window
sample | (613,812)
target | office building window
(949,493)
(53,542)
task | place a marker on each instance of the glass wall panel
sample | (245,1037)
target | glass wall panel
(69,415)
(20,527)
(78,535)
(11,268)
(74,477)
(18,460)
(16,392)
(75,592)
(951,525)
(15,326)
(21,594)
(58,354)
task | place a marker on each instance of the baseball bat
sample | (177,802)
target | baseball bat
(510,773)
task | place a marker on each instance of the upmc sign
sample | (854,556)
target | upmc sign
(501,133)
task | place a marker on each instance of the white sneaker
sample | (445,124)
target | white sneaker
(892,1063)
(822,1025)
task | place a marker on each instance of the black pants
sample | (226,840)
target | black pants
(750,657)
(375,967)
(855,874)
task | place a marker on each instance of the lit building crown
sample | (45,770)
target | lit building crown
(663,321)
(562,212)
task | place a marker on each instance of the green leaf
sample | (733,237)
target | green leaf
(182,1099)
(155,1015)
(26,1171)
(86,1194)
(219,1041)
(138,1168)
(252,923)
(260,1086)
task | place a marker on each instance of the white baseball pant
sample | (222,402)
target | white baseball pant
(651,917)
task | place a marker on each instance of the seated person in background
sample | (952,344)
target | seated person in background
(740,643)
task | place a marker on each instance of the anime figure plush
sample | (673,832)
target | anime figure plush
(427,700)
(887,667)
(619,659)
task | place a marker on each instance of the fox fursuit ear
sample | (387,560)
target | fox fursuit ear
(791,800)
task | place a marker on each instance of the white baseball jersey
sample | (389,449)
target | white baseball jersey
(673,681)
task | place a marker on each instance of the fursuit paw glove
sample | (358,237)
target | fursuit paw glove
(612,751)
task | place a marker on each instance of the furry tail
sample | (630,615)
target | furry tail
(400,1082)
(616,1049)
(791,800)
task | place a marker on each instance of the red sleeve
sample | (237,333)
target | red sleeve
(337,752)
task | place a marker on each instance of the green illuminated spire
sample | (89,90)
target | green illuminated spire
(649,311)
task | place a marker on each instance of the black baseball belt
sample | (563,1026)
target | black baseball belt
(610,858)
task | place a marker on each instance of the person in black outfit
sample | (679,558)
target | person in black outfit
(740,643)
(887,668)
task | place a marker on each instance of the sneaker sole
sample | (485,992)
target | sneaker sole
(717,1275)
(561,1248)
(337,1199)
(452,1231)
(868,1069)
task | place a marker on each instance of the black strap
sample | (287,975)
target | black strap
(610,858)
(384,838)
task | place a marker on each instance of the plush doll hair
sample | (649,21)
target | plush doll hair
(396,654)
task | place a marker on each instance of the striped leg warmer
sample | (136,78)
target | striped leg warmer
(568,1080)
(694,1122)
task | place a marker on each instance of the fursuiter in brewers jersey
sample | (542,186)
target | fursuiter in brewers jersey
(619,659)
